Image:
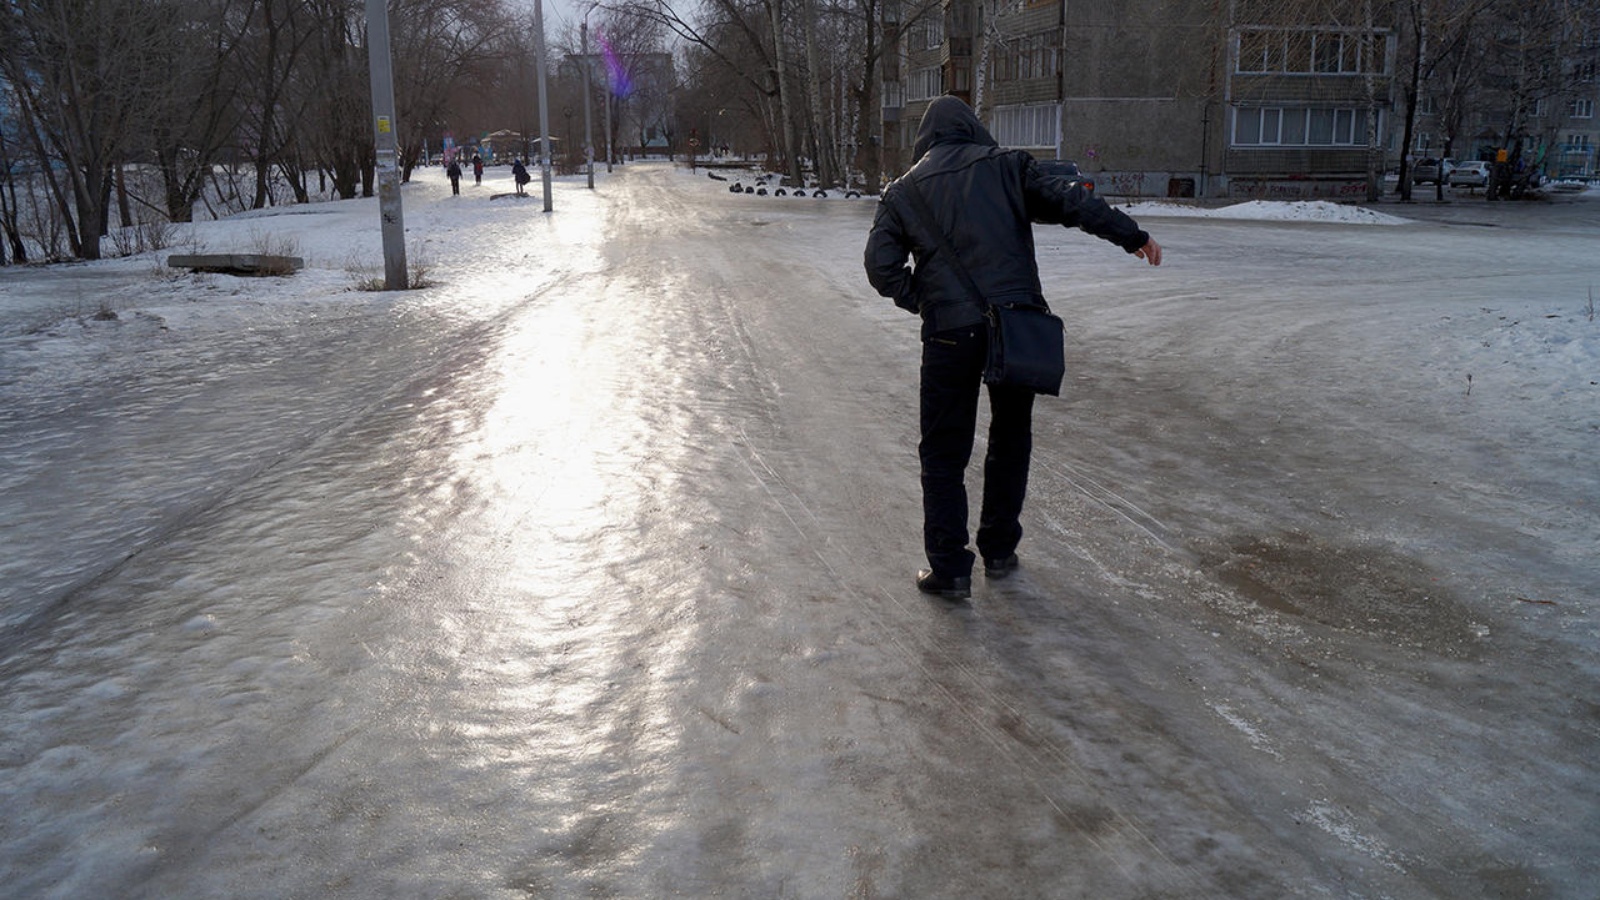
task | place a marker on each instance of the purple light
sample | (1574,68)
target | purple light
(621,83)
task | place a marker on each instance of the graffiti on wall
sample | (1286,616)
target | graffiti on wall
(1298,189)
(1126,184)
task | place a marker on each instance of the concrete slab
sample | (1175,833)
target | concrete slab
(237,263)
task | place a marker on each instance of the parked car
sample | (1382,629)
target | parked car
(1471,174)
(1432,171)
(1068,170)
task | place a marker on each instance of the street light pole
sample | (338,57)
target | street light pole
(609,151)
(544,103)
(381,68)
(588,127)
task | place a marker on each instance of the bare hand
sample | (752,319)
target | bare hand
(1150,252)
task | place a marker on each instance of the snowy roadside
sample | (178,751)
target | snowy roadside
(134,395)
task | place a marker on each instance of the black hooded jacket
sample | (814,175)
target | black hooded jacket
(986,200)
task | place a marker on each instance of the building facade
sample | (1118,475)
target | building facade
(1188,98)
(1559,133)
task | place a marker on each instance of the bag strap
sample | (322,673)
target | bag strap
(919,203)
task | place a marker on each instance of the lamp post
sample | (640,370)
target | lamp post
(381,69)
(588,126)
(609,151)
(544,105)
(567,111)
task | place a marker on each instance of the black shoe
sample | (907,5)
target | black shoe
(948,588)
(1000,568)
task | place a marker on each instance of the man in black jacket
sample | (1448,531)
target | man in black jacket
(985,199)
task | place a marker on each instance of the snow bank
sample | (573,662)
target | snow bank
(1267,211)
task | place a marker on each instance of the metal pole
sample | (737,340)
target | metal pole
(381,68)
(609,151)
(544,104)
(588,126)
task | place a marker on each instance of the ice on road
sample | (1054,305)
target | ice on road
(586,571)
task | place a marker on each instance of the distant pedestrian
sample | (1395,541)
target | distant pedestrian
(519,173)
(477,169)
(985,200)
(455,176)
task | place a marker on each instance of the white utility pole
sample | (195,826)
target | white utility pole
(382,70)
(544,103)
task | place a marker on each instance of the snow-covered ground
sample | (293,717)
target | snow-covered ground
(1268,211)
(586,568)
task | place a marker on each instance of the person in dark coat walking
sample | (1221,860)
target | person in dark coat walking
(519,174)
(985,199)
(477,169)
(454,171)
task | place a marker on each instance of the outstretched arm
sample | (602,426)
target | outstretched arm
(1059,202)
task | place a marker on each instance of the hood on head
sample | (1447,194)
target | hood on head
(949,121)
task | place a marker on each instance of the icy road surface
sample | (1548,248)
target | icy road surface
(587,572)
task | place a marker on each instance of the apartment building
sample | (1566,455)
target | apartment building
(1559,134)
(1155,97)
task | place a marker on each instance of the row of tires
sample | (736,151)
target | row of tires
(819,193)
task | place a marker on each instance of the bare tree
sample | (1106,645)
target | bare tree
(1528,81)
(10,212)
(332,83)
(867,47)
(437,45)
(634,68)
(82,73)
(1437,65)
(273,110)
(199,113)
(817,119)
(742,39)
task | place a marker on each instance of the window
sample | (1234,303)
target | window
(1368,53)
(929,33)
(1297,54)
(1258,126)
(1306,52)
(1299,127)
(1320,129)
(1031,56)
(1426,106)
(1247,126)
(1583,109)
(1294,128)
(1327,52)
(925,84)
(1424,143)
(894,95)
(1255,52)
(961,19)
(1038,125)
(1576,143)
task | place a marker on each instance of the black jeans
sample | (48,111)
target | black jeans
(952,371)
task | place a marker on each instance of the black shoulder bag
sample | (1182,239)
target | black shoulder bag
(1026,349)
